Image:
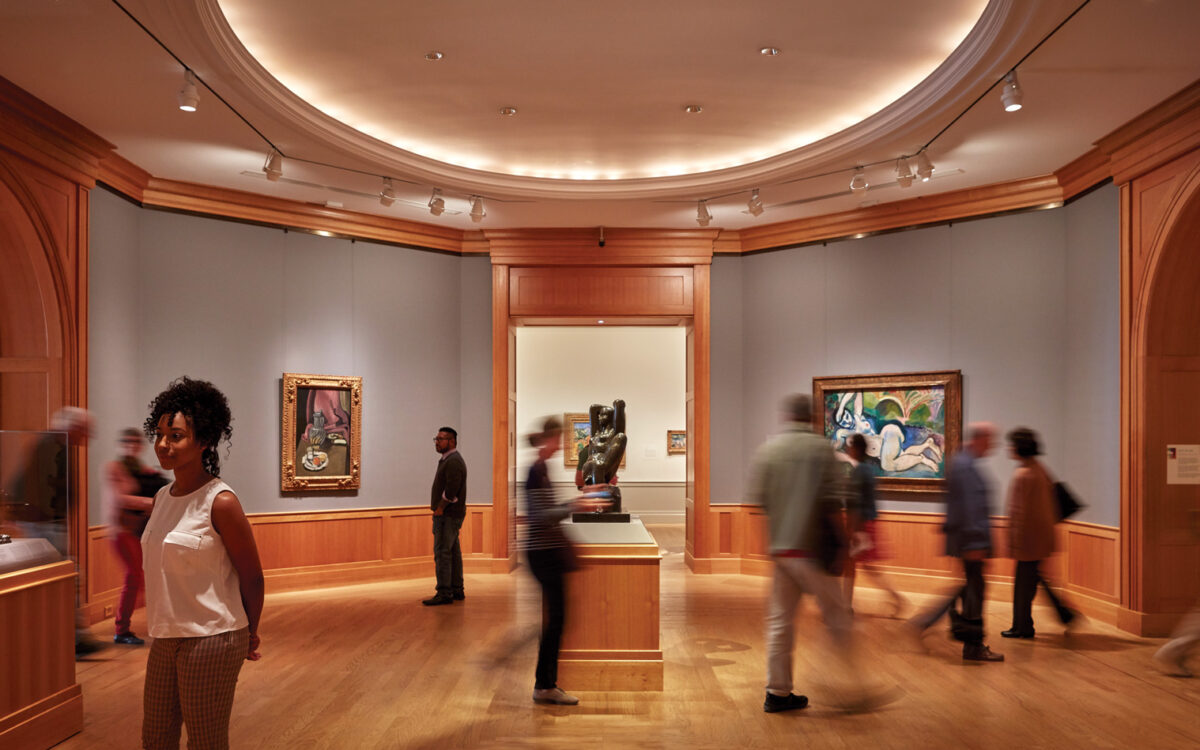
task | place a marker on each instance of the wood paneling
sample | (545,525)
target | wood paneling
(589,291)
(40,704)
(580,247)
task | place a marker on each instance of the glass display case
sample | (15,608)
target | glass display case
(35,499)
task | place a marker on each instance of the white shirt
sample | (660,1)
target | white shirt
(192,587)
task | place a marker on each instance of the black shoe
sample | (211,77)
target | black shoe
(435,601)
(85,646)
(458,597)
(129,639)
(980,652)
(776,703)
(1014,633)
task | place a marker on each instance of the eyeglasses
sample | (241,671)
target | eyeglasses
(436,439)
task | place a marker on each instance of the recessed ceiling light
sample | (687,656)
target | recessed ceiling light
(508,111)
(434,56)
(769,51)
(601,322)
(693,109)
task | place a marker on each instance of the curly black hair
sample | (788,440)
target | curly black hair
(204,407)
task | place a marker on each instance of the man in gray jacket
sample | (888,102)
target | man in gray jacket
(796,479)
(969,537)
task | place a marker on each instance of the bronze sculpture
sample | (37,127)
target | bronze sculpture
(607,447)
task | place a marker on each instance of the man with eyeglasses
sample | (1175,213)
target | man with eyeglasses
(448,501)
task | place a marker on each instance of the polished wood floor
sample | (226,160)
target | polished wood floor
(369,667)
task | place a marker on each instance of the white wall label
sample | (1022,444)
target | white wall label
(1183,464)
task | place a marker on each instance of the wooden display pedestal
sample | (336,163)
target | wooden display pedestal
(40,702)
(611,640)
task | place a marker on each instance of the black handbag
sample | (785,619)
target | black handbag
(1066,503)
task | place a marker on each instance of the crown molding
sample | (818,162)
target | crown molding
(1161,134)
(581,247)
(47,137)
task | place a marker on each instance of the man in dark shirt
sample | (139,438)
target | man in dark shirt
(448,501)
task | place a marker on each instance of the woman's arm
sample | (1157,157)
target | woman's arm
(230,522)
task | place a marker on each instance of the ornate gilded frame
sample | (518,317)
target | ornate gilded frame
(291,428)
(908,388)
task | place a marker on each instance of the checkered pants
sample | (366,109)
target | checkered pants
(191,681)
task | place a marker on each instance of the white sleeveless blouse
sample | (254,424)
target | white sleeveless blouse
(192,588)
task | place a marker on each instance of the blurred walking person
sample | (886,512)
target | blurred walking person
(861,513)
(550,557)
(129,489)
(1172,657)
(1031,515)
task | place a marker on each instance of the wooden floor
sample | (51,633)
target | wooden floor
(369,667)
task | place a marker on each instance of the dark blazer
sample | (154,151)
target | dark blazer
(450,480)
(967,524)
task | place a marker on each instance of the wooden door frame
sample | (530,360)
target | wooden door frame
(644,274)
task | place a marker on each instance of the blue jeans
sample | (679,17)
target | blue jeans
(447,555)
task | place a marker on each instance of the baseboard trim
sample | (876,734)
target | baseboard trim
(349,574)
(45,723)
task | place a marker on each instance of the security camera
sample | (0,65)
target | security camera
(601,243)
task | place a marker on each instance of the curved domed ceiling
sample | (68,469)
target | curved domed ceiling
(600,92)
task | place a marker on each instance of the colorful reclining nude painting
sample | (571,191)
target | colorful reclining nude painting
(911,423)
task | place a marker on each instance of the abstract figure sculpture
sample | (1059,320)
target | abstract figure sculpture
(606,448)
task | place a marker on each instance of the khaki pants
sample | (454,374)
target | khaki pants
(190,681)
(794,577)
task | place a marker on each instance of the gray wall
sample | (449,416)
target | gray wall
(1025,305)
(240,305)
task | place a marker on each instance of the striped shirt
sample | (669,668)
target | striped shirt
(543,512)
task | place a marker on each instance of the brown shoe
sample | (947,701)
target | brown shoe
(980,652)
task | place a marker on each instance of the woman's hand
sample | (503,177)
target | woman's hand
(255,642)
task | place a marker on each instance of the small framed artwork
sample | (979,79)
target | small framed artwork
(676,441)
(320,432)
(912,423)
(577,433)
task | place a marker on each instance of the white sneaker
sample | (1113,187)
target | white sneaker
(555,696)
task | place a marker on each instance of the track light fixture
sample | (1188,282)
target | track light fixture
(274,165)
(924,167)
(904,175)
(1011,93)
(437,204)
(703,217)
(858,183)
(388,195)
(477,210)
(188,96)
(754,206)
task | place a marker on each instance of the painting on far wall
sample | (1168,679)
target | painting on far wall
(676,442)
(912,423)
(320,432)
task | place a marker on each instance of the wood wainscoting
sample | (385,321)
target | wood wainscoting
(1087,565)
(313,549)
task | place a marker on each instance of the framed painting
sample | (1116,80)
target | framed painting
(320,432)
(912,423)
(676,442)
(577,432)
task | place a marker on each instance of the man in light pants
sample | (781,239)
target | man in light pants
(796,479)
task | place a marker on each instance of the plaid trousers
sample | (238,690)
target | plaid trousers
(190,681)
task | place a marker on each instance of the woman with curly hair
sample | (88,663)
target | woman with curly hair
(204,581)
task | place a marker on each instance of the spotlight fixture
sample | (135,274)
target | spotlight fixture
(858,183)
(388,196)
(273,166)
(477,210)
(188,96)
(1011,93)
(703,217)
(769,51)
(437,204)
(924,167)
(508,111)
(434,56)
(904,175)
(693,109)
(754,206)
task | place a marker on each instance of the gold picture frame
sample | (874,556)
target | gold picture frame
(320,430)
(676,442)
(912,422)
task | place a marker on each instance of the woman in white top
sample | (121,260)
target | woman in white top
(204,581)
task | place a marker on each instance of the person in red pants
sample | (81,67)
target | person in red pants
(129,487)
